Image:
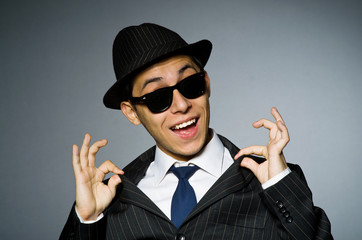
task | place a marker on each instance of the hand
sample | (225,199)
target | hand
(275,162)
(92,196)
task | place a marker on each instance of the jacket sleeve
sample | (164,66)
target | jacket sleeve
(290,201)
(75,230)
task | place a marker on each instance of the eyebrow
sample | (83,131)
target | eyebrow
(156,79)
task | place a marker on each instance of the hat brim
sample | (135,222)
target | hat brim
(114,96)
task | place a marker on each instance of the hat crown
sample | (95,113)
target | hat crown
(134,46)
(137,47)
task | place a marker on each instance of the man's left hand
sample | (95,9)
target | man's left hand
(275,162)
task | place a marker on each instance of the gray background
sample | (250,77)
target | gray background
(302,56)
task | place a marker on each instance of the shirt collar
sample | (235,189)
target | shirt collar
(210,160)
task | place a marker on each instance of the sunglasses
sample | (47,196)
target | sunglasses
(161,99)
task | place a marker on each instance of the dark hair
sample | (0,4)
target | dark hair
(128,88)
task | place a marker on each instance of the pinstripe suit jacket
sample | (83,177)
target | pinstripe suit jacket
(235,207)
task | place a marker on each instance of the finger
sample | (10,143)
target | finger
(93,151)
(84,150)
(267,123)
(284,133)
(274,111)
(264,123)
(250,164)
(239,154)
(256,150)
(271,126)
(113,182)
(109,166)
(76,160)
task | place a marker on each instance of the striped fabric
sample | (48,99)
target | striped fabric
(135,46)
(235,207)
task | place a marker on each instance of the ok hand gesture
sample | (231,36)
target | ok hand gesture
(91,194)
(275,162)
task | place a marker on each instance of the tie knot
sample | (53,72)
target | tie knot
(184,172)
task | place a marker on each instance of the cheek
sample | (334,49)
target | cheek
(207,113)
(152,122)
(205,105)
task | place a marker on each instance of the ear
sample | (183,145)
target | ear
(207,79)
(129,111)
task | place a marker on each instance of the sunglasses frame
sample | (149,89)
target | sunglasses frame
(145,98)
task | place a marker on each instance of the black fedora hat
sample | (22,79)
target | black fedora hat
(138,47)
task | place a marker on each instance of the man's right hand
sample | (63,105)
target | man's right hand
(92,196)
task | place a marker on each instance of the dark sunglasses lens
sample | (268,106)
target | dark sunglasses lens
(159,100)
(193,86)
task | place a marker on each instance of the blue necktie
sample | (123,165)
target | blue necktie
(184,198)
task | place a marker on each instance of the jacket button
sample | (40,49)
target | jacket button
(180,237)
(286,214)
(282,210)
(289,219)
(280,204)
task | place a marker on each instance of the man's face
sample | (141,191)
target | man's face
(183,129)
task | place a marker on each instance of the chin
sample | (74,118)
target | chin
(194,149)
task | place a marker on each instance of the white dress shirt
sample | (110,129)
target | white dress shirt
(159,184)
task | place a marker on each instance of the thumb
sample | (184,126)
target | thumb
(250,164)
(113,183)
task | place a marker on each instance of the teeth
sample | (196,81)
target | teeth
(185,124)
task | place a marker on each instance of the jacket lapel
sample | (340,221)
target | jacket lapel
(234,179)
(133,173)
(131,194)
(136,170)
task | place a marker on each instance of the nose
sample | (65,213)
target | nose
(179,103)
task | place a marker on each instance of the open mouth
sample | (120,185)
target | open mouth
(185,125)
(186,130)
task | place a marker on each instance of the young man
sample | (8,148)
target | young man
(194,184)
